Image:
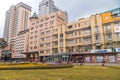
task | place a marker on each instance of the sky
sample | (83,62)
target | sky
(76,8)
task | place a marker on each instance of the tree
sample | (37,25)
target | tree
(3,43)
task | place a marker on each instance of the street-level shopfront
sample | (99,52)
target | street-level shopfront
(95,56)
(109,57)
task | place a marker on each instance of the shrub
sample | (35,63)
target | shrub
(33,66)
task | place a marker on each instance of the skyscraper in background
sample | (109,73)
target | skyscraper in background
(17,19)
(46,7)
(17,27)
(8,23)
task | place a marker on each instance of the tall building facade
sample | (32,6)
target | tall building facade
(9,21)
(17,19)
(41,36)
(16,24)
(111,28)
(100,31)
(80,36)
(46,7)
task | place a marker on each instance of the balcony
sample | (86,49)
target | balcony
(109,39)
(55,39)
(55,46)
(86,42)
(108,31)
(96,32)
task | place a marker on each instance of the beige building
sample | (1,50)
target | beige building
(16,28)
(80,36)
(111,28)
(41,32)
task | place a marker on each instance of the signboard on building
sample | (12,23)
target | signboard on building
(101,51)
(99,59)
(117,29)
(111,58)
(19,56)
(87,59)
(117,49)
(118,58)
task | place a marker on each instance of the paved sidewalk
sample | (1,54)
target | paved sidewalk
(98,64)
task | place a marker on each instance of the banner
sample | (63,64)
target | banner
(100,58)
(111,58)
(117,29)
(87,59)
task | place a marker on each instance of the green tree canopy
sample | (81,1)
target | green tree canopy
(3,43)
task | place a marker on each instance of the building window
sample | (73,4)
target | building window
(31,47)
(47,44)
(42,33)
(31,42)
(35,47)
(47,19)
(70,34)
(70,41)
(31,37)
(37,22)
(55,30)
(36,36)
(41,25)
(47,38)
(118,34)
(69,27)
(97,38)
(78,24)
(35,42)
(46,24)
(41,51)
(32,28)
(42,39)
(51,22)
(115,13)
(86,23)
(96,29)
(107,27)
(41,45)
(86,31)
(109,36)
(48,32)
(36,26)
(31,32)
(52,17)
(87,39)
(47,51)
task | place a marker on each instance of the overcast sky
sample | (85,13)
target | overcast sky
(76,8)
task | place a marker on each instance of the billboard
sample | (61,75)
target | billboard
(117,49)
(117,29)
(99,59)
(101,51)
(111,58)
(87,59)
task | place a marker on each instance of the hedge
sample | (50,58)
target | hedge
(34,66)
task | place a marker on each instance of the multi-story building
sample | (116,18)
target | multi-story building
(100,31)
(80,36)
(46,7)
(111,28)
(9,21)
(16,29)
(41,37)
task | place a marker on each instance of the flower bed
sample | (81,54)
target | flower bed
(24,66)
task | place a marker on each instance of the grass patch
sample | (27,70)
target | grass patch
(74,73)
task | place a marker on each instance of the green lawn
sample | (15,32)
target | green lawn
(75,73)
